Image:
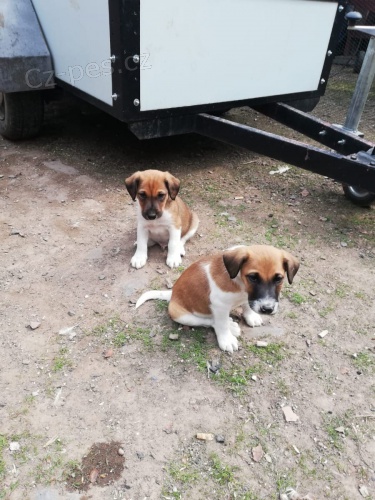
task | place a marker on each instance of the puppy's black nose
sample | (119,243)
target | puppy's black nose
(266,309)
(151,216)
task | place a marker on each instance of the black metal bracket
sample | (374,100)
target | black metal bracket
(354,164)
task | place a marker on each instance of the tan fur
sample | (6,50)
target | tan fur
(191,291)
(162,217)
(154,183)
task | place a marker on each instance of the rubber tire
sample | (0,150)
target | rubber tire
(21,114)
(358,196)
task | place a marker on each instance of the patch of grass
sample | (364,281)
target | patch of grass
(325,311)
(161,306)
(296,298)
(48,470)
(3,445)
(291,315)
(119,339)
(365,362)
(360,295)
(331,423)
(341,291)
(142,334)
(183,473)
(271,355)
(282,387)
(222,474)
(118,333)
(274,236)
(73,470)
(236,378)
(61,361)
(285,479)
(190,347)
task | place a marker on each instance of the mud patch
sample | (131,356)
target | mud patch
(102,466)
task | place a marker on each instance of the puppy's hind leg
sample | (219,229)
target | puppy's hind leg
(190,233)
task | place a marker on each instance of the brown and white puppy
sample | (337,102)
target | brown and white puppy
(162,217)
(247,276)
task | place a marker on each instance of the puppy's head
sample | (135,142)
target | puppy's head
(262,269)
(153,189)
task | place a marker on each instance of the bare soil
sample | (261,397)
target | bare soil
(80,367)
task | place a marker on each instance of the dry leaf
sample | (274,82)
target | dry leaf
(94,475)
(257,453)
(108,353)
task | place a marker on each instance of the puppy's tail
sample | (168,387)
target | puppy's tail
(154,294)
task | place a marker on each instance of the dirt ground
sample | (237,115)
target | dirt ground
(81,367)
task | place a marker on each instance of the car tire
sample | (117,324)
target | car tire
(21,114)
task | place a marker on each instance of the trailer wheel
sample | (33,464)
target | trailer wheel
(21,114)
(358,195)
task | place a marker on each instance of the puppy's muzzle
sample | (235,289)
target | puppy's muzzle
(151,215)
(268,306)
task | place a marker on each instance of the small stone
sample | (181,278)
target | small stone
(219,438)
(261,343)
(102,277)
(232,219)
(364,491)
(14,446)
(268,458)
(169,283)
(322,334)
(289,414)
(354,355)
(25,362)
(160,271)
(108,353)
(205,437)
(34,325)
(238,197)
(140,455)
(312,293)
(71,313)
(341,430)
(173,336)
(308,343)
(254,378)
(343,244)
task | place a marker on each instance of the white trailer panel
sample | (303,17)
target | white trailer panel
(78,35)
(198,52)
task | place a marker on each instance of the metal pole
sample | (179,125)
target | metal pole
(362,89)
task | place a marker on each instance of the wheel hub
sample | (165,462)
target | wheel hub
(2,107)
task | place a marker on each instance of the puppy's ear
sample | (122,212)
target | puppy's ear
(132,184)
(172,184)
(234,259)
(291,266)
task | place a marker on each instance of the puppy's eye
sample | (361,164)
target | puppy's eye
(253,278)
(161,196)
(142,195)
(278,278)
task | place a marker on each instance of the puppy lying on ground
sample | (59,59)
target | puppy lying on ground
(247,276)
(162,217)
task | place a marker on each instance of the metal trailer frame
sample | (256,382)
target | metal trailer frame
(350,159)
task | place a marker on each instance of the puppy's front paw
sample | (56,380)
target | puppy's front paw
(253,319)
(174,260)
(228,342)
(138,260)
(234,328)
(182,250)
